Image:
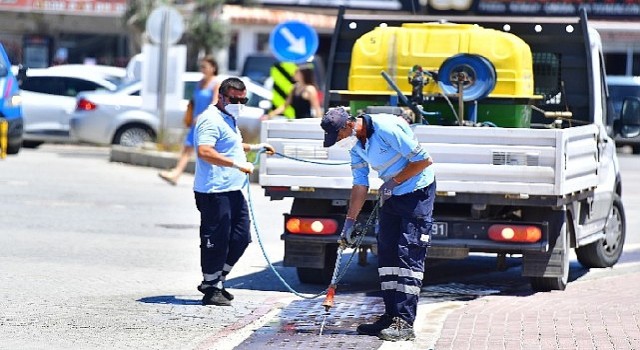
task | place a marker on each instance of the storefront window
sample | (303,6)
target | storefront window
(94,49)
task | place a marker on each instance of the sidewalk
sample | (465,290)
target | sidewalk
(602,313)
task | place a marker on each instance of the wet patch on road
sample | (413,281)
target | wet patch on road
(298,325)
(456,292)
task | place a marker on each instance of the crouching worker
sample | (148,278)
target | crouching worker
(221,168)
(387,144)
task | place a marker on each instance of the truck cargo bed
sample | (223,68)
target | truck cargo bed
(482,160)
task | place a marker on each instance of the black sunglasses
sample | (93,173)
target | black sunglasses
(235,100)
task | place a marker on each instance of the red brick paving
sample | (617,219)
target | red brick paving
(599,314)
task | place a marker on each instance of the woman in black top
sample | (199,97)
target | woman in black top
(303,97)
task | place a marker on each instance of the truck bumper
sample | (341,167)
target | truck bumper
(310,251)
(473,235)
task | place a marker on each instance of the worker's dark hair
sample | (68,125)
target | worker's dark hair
(231,83)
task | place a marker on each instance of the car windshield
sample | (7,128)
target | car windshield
(257,68)
(125,85)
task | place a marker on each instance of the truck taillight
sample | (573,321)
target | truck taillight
(515,233)
(316,226)
(85,105)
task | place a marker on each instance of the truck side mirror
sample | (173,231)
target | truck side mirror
(630,117)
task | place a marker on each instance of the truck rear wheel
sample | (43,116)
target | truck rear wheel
(323,275)
(557,260)
(607,251)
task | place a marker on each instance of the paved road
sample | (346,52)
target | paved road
(99,255)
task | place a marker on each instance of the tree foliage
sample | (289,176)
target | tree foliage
(204,29)
(206,32)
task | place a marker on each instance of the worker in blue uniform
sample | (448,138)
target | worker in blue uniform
(386,143)
(221,168)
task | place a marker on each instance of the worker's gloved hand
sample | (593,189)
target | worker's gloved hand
(347,235)
(263,146)
(245,167)
(386,190)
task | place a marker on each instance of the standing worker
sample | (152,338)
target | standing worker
(221,168)
(387,144)
(303,97)
(205,93)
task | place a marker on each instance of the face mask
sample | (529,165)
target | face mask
(234,109)
(348,142)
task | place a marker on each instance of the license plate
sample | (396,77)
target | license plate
(439,230)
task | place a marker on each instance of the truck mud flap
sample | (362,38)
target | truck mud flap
(555,262)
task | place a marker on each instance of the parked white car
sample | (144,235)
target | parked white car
(111,73)
(49,97)
(118,117)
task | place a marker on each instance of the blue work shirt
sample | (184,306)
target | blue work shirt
(388,150)
(219,130)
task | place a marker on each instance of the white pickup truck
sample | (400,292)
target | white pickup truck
(535,190)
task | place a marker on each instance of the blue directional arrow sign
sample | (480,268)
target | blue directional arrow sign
(293,41)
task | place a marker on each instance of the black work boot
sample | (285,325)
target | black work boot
(381,323)
(203,287)
(214,296)
(399,330)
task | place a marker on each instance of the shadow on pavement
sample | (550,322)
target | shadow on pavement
(169,299)
(444,279)
(358,279)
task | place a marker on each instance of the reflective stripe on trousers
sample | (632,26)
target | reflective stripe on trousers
(403,239)
(224,232)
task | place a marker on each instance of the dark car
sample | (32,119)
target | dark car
(621,87)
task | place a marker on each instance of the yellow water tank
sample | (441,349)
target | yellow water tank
(397,49)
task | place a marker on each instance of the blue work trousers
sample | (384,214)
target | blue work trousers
(403,238)
(224,233)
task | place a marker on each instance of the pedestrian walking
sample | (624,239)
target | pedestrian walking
(387,144)
(221,168)
(204,94)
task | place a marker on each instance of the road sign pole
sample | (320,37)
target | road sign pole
(162,77)
(164,27)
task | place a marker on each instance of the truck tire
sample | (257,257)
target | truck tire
(607,251)
(323,275)
(558,259)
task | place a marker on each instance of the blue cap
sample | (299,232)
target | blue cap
(332,122)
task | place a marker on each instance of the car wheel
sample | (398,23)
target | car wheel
(14,148)
(133,136)
(607,251)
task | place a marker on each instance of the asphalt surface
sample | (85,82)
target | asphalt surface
(68,283)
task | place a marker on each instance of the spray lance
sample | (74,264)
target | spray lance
(354,241)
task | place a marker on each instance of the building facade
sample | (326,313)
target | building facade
(39,33)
